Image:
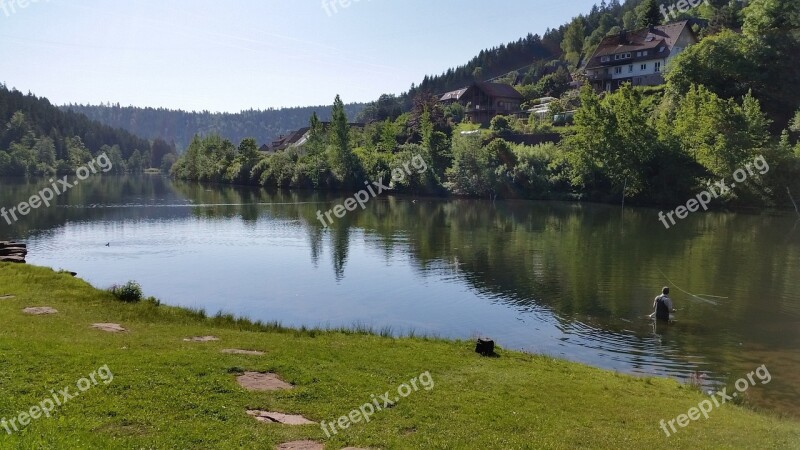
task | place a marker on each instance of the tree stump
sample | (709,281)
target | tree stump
(485,347)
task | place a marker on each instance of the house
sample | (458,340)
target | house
(484,100)
(296,139)
(285,141)
(637,57)
(541,108)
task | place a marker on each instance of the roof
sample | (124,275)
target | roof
(454,95)
(490,89)
(284,142)
(638,40)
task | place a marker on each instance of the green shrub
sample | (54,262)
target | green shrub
(130,292)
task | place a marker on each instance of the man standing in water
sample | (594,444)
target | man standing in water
(663,305)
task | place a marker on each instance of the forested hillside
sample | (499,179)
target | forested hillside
(181,126)
(39,138)
(541,66)
(729,102)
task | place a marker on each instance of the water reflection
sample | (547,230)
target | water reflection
(574,281)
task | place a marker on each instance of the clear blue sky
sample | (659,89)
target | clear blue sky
(233,55)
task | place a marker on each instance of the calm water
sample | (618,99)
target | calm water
(572,281)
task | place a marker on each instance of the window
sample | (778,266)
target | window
(638,54)
(644,67)
(644,53)
(617,70)
(658,66)
(661,50)
(630,68)
(605,58)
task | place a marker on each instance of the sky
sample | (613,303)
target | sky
(228,56)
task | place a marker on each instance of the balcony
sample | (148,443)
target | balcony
(600,77)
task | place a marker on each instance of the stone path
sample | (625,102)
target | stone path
(309,445)
(202,339)
(40,311)
(276,417)
(236,351)
(301,445)
(262,382)
(109,327)
(252,381)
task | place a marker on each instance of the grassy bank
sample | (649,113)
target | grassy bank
(169,393)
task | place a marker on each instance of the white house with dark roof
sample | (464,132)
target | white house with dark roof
(637,57)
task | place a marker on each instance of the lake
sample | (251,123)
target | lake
(574,281)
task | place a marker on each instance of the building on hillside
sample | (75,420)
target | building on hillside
(483,101)
(285,141)
(296,139)
(637,57)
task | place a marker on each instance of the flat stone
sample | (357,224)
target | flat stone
(12,259)
(236,351)
(276,417)
(202,339)
(6,297)
(40,311)
(109,327)
(261,382)
(301,445)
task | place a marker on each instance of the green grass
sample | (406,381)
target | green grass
(167,393)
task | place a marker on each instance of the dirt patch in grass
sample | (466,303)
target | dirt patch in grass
(109,327)
(6,297)
(236,351)
(261,382)
(202,339)
(40,311)
(276,417)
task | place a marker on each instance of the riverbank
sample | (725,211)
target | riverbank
(169,392)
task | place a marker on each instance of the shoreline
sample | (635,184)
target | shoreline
(192,395)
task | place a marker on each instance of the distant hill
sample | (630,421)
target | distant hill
(181,126)
(36,137)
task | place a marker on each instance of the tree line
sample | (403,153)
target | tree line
(180,127)
(37,138)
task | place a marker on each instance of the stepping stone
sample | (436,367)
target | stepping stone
(109,327)
(236,351)
(276,417)
(202,339)
(12,259)
(40,311)
(301,445)
(262,382)
(6,297)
